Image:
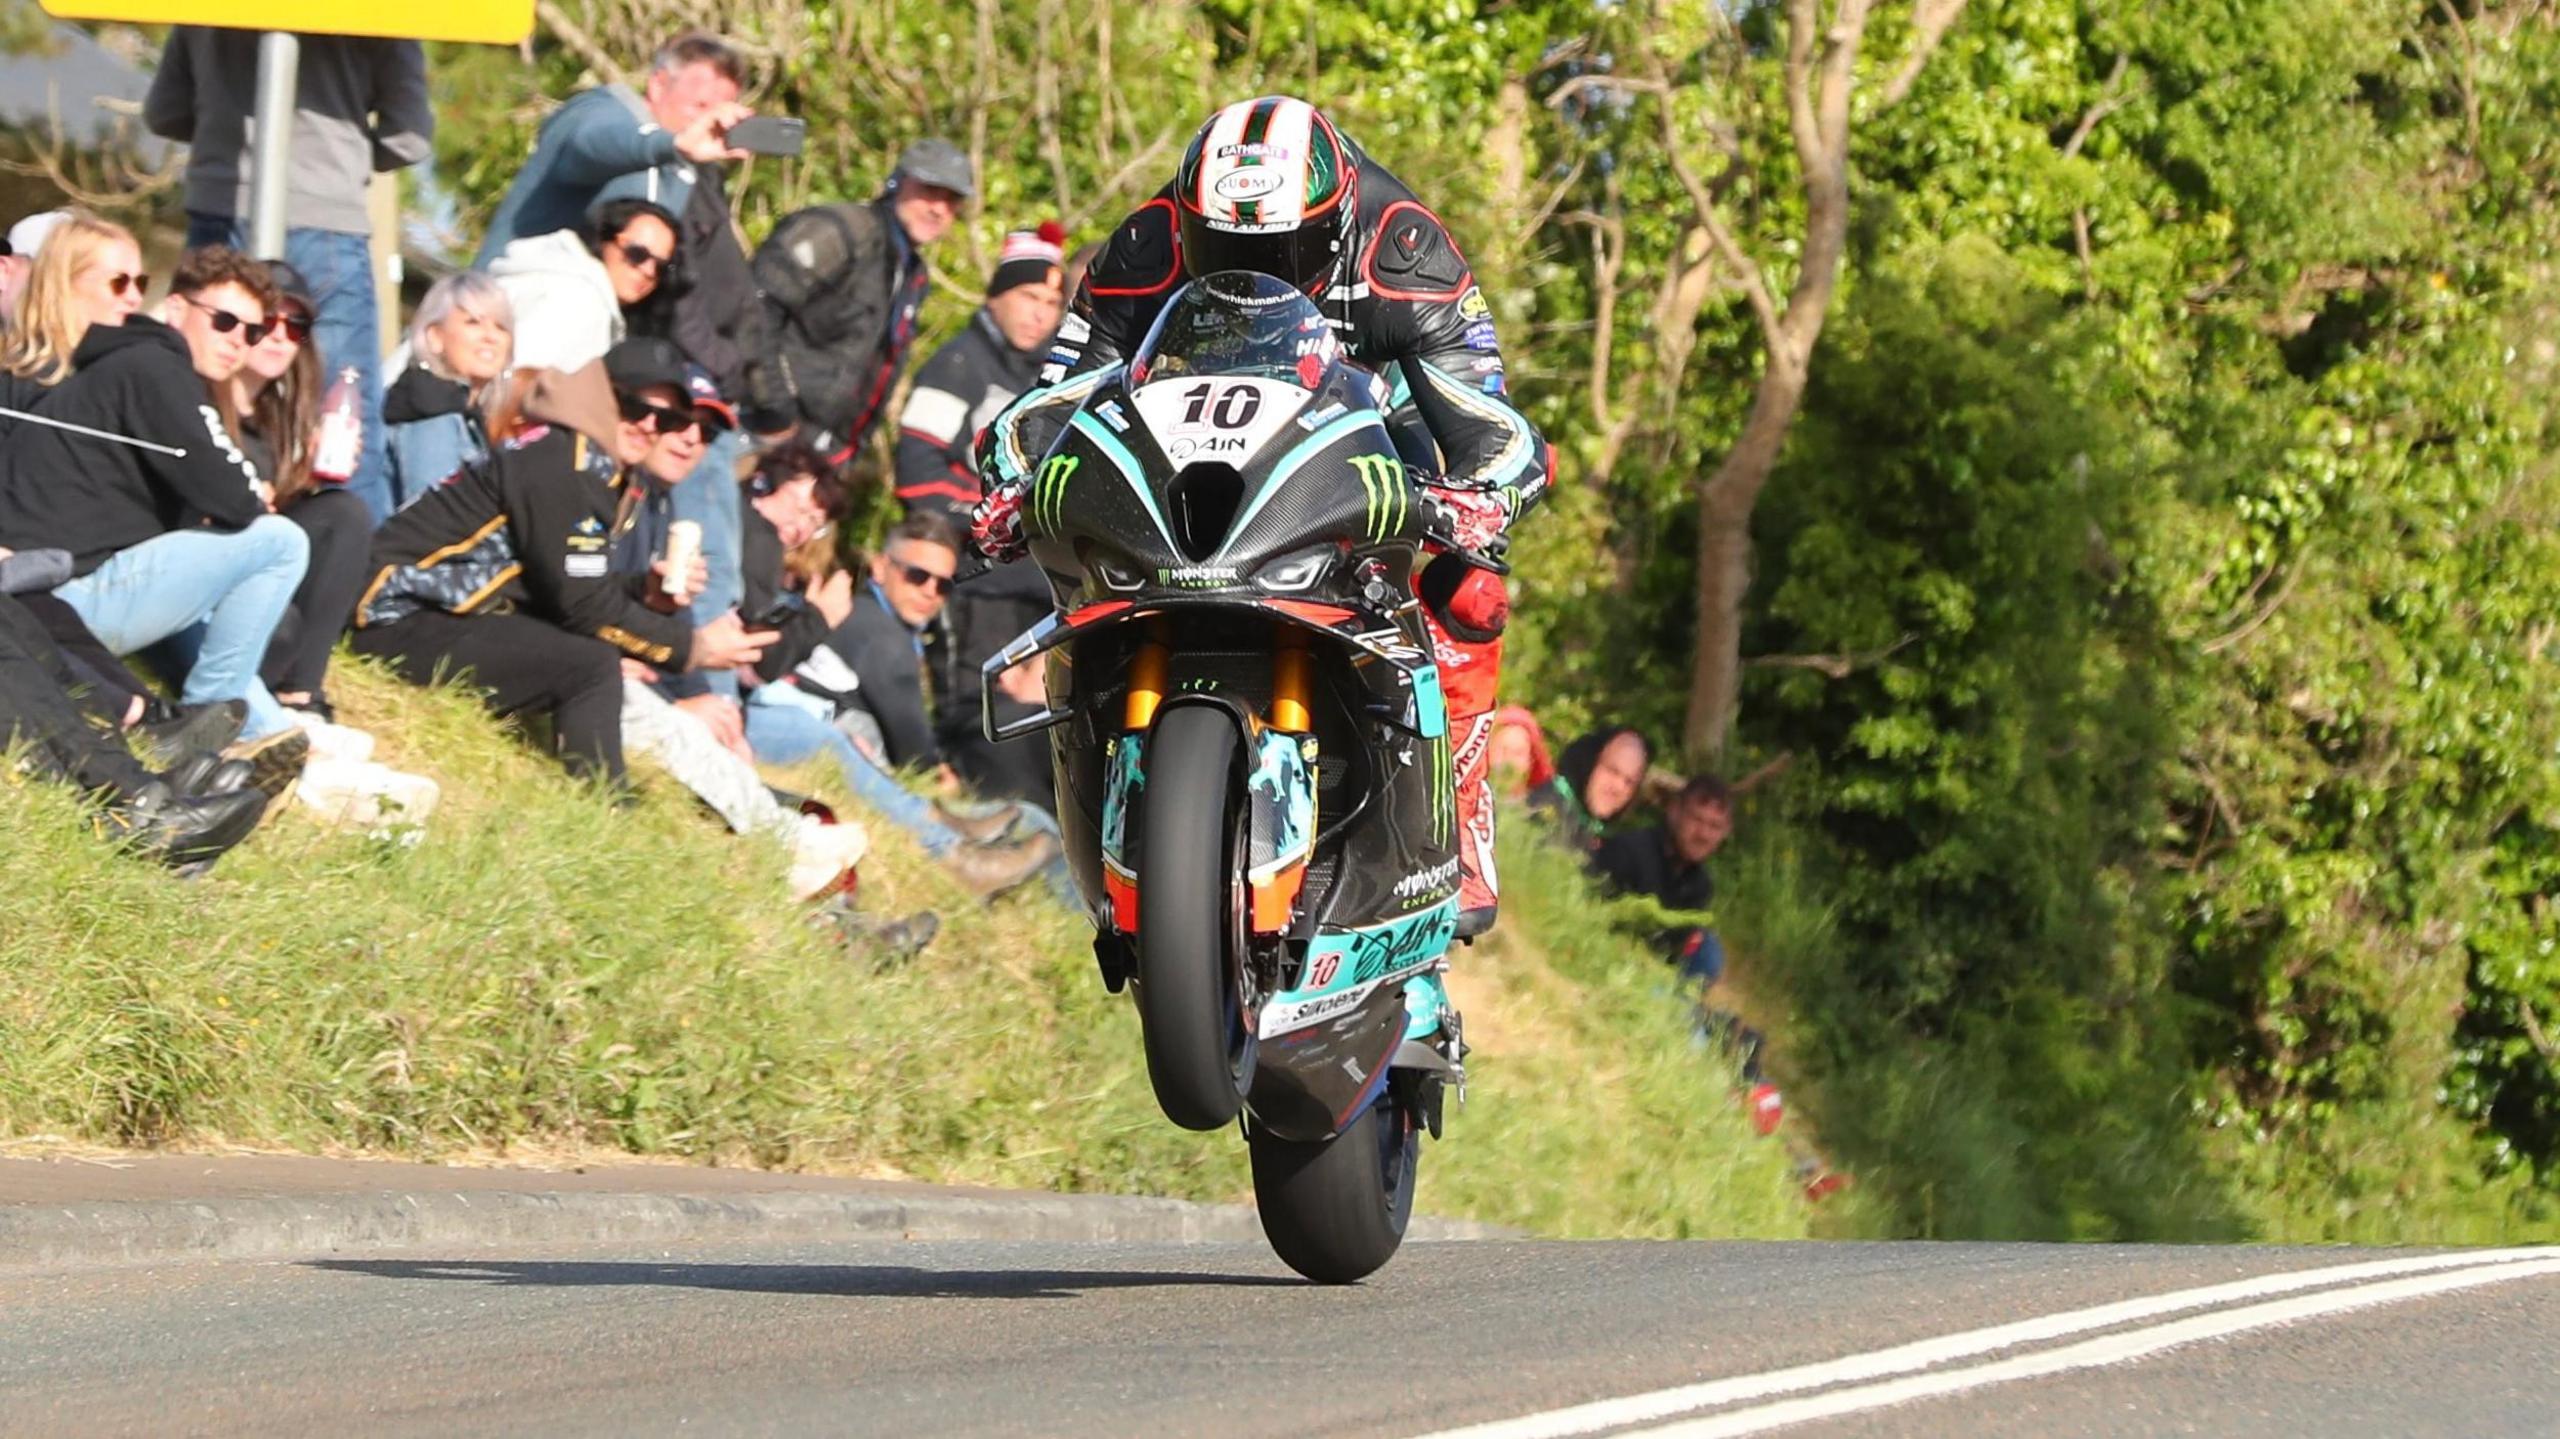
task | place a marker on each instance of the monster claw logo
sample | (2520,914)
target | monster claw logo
(1382,480)
(1049,492)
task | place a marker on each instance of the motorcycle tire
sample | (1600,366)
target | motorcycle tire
(1191,920)
(1335,1211)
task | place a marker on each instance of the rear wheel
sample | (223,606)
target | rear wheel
(1335,1211)
(1192,960)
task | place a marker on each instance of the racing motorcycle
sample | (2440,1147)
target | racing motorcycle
(1252,754)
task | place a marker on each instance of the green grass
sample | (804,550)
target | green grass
(546,971)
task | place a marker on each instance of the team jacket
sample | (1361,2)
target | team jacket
(965,384)
(531,532)
(1411,303)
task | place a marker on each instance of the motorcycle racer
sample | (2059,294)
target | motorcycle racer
(1269,185)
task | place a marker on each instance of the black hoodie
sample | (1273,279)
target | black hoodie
(96,497)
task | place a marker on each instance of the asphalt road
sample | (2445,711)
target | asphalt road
(923,1339)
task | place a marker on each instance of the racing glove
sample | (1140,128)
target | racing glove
(1469,519)
(995,526)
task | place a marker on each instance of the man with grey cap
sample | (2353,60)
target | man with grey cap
(839,286)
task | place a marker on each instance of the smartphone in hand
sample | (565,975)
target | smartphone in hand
(768,135)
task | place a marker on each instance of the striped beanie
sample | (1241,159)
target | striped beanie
(1031,257)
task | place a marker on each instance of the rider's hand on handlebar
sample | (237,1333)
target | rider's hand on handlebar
(1470,520)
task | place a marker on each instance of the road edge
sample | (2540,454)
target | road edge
(38,1236)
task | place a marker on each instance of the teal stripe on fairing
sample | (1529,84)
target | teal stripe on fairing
(1130,469)
(1307,449)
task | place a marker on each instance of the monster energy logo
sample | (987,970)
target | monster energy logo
(1049,492)
(1382,480)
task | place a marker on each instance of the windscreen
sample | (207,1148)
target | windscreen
(1238,323)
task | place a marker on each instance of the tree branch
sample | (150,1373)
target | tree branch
(1838,667)
(581,44)
(2110,100)
(1929,25)
(2266,612)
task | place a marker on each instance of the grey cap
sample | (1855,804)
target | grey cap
(937,161)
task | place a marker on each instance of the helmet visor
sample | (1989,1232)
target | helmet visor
(1304,256)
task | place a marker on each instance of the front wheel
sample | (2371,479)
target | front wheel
(1335,1210)
(1192,961)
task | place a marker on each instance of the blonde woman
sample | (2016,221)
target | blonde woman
(462,339)
(87,273)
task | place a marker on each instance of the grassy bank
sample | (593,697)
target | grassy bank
(545,970)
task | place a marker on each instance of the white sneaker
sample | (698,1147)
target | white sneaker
(821,853)
(331,740)
(378,799)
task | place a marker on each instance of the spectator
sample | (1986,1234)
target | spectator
(460,342)
(1519,761)
(504,571)
(985,614)
(1669,863)
(91,276)
(171,537)
(18,258)
(791,498)
(360,106)
(839,287)
(95,277)
(182,819)
(871,667)
(577,293)
(970,380)
(275,400)
(1597,780)
(677,120)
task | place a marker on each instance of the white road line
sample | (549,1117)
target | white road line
(1926,1353)
(2092,1353)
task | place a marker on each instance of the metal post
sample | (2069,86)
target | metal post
(271,143)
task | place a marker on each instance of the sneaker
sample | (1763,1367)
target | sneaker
(978,824)
(989,870)
(823,854)
(275,761)
(330,740)
(208,773)
(193,730)
(889,941)
(363,795)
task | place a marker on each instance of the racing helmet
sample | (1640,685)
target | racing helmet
(1268,185)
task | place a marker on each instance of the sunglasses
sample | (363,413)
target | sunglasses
(641,257)
(135,283)
(297,328)
(224,322)
(664,419)
(924,579)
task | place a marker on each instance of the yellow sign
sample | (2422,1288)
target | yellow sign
(492,22)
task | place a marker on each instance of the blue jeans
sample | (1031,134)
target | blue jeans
(346,330)
(709,497)
(783,732)
(215,598)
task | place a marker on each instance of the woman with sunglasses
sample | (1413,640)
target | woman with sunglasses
(275,400)
(578,293)
(88,272)
(462,339)
(90,275)
(169,524)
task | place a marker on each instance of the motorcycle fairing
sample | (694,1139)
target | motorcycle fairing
(1282,792)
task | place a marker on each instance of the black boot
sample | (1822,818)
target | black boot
(209,774)
(180,830)
(195,730)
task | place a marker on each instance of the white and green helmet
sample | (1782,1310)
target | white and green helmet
(1268,185)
